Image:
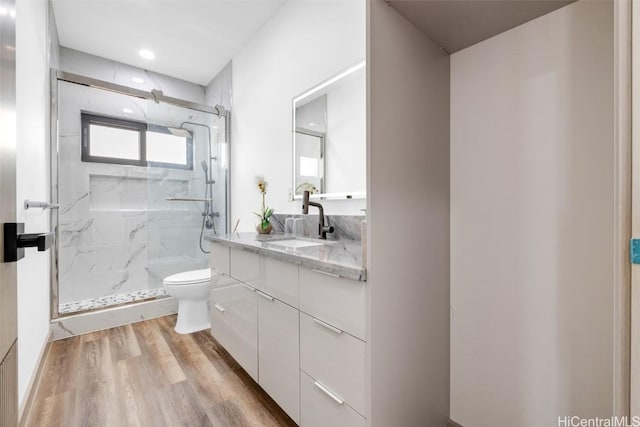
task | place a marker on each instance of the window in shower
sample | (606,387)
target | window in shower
(128,142)
(164,149)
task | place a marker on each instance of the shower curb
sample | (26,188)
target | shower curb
(78,324)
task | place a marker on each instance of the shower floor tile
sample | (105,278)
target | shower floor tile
(110,300)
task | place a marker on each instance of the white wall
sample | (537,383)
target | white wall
(305,43)
(408,220)
(532,222)
(218,91)
(32,91)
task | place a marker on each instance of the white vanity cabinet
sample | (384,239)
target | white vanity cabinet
(280,280)
(338,301)
(320,410)
(335,360)
(279,353)
(219,317)
(234,313)
(332,350)
(276,278)
(220,258)
(243,323)
(234,323)
(259,322)
(245,266)
(300,333)
(219,261)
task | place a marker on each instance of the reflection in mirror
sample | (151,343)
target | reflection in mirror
(309,137)
(329,137)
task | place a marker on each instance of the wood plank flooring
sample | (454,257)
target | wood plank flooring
(145,374)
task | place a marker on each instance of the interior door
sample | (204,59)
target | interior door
(8,292)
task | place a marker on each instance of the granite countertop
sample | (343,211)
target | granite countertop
(342,258)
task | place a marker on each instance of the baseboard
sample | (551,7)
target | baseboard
(34,382)
(452,423)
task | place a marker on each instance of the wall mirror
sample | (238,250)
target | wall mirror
(329,137)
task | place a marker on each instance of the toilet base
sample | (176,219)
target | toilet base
(193,316)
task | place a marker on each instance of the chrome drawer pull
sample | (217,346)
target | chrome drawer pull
(326,274)
(329,393)
(265,296)
(219,307)
(328,326)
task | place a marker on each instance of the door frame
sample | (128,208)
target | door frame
(627,170)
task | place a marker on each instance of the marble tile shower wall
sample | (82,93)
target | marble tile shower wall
(118,233)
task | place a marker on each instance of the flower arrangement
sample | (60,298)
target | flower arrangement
(265,225)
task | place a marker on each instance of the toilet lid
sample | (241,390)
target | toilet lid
(189,277)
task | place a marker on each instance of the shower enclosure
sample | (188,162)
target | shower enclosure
(140,178)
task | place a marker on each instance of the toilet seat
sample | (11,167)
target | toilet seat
(192,277)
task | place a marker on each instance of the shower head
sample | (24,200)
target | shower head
(205,168)
(181,132)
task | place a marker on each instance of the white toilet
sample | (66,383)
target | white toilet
(191,289)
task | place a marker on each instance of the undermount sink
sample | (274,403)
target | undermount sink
(296,243)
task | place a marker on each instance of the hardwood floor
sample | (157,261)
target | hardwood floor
(145,374)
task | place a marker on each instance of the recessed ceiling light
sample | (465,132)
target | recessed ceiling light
(137,80)
(312,124)
(147,54)
(127,110)
(3,11)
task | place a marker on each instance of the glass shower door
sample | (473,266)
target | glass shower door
(187,199)
(131,187)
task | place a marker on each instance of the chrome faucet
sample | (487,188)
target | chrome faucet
(322,229)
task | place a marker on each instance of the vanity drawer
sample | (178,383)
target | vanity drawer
(320,409)
(245,266)
(242,341)
(219,320)
(338,301)
(280,280)
(279,353)
(335,359)
(219,258)
(234,323)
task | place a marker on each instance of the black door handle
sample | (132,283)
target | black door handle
(42,241)
(15,240)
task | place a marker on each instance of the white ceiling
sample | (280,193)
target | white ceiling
(457,24)
(192,39)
